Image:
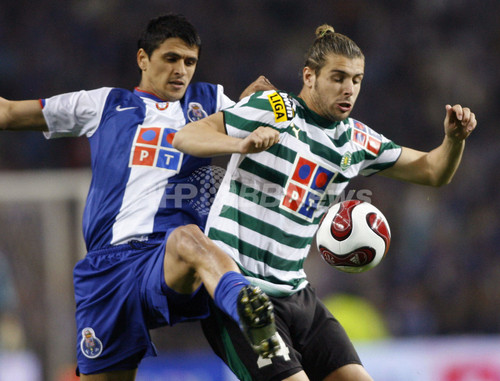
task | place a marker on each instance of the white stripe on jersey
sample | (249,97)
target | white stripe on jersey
(146,186)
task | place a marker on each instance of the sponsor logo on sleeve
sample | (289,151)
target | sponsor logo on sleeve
(282,106)
(365,138)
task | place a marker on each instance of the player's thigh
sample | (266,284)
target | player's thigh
(350,372)
(119,375)
(301,376)
(326,347)
(111,324)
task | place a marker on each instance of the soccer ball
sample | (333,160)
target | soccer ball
(353,236)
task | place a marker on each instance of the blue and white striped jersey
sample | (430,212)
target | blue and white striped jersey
(138,179)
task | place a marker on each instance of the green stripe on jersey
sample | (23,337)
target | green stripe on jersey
(261,170)
(242,123)
(260,102)
(266,229)
(362,155)
(249,250)
(294,283)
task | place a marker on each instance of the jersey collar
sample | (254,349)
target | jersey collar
(323,122)
(146,94)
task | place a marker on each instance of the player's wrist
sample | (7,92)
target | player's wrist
(453,139)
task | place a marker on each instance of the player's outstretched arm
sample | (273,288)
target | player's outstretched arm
(437,167)
(21,115)
(207,137)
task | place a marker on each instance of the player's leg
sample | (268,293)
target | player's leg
(191,258)
(115,308)
(351,372)
(227,341)
(300,376)
(328,353)
(119,375)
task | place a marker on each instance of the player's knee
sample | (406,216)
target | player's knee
(187,242)
(350,372)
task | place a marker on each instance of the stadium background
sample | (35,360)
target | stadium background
(441,276)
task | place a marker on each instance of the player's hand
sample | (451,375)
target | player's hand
(459,122)
(260,84)
(259,140)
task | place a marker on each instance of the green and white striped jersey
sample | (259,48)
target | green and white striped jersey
(269,204)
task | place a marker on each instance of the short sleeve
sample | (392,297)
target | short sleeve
(74,114)
(372,150)
(268,108)
(223,101)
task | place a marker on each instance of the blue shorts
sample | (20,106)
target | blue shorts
(120,295)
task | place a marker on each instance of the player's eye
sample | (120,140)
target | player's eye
(357,80)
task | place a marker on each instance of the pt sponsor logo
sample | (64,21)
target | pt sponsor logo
(152,147)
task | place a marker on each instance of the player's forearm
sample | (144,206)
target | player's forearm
(202,145)
(444,161)
(434,168)
(200,139)
(21,115)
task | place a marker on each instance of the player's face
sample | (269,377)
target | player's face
(169,69)
(334,91)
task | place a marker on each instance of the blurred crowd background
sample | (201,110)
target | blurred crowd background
(442,273)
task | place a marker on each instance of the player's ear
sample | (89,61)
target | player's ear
(308,76)
(142,59)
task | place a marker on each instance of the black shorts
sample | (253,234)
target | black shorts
(311,340)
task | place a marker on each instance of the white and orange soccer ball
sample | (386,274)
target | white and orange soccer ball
(353,236)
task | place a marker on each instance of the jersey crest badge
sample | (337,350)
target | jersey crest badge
(306,188)
(282,106)
(195,112)
(345,162)
(90,345)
